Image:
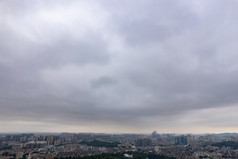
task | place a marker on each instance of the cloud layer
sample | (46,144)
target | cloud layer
(118,66)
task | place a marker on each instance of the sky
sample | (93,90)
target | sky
(119,66)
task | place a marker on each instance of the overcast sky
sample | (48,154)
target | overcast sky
(119,66)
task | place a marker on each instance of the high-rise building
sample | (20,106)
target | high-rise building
(181,140)
(144,142)
(155,134)
(35,144)
(51,139)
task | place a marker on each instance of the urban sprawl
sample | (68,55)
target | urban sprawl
(99,145)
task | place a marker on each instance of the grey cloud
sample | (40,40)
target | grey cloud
(103,81)
(173,59)
(153,21)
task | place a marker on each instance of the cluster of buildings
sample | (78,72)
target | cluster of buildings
(64,145)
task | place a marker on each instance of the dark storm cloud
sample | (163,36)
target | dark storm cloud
(124,63)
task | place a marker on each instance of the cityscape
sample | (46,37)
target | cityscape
(116,146)
(118,79)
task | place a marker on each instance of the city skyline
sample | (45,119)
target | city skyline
(118,66)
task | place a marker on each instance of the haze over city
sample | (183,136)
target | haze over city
(119,66)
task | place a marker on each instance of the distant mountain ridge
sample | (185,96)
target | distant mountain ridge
(226,134)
